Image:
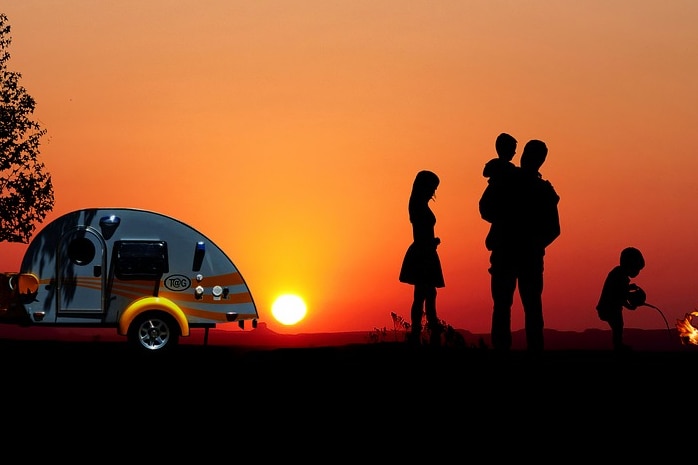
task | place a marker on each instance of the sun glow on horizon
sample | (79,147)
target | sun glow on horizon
(288,309)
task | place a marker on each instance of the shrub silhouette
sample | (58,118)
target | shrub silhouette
(449,336)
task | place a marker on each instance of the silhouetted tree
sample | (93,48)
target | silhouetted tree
(26,191)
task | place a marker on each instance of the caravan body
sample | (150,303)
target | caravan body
(148,275)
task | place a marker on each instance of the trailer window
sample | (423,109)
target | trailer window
(81,251)
(140,259)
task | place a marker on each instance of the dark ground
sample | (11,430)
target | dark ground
(350,399)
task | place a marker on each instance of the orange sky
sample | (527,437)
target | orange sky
(289,132)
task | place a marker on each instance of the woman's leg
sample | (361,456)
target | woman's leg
(433,322)
(416,313)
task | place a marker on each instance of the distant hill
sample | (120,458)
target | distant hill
(262,337)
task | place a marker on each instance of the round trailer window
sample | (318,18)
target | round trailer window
(81,251)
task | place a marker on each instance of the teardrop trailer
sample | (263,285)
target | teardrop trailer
(151,277)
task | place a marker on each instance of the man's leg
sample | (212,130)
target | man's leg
(503,285)
(531,292)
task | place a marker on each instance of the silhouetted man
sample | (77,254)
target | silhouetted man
(524,221)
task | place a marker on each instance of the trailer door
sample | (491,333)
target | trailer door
(81,262)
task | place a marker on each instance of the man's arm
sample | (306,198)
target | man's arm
(552,216)
(488,204)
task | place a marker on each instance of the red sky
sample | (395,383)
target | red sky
(289,133)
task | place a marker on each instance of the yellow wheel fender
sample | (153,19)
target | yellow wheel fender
(147,304)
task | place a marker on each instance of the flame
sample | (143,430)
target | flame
(687,333)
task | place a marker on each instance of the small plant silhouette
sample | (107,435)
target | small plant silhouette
(378,335)
(399,325)
(449,336)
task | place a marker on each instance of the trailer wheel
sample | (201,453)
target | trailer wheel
(154,332)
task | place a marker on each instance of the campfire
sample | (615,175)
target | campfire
(687,333)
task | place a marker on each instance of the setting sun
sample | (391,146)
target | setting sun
(288,309)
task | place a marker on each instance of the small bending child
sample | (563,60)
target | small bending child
(616,291)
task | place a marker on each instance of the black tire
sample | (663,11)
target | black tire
(154,332)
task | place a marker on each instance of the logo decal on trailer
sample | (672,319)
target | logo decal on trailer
(177,282)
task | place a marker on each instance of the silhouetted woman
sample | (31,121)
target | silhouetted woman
(421,266)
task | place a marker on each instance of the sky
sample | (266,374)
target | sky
(289,132)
